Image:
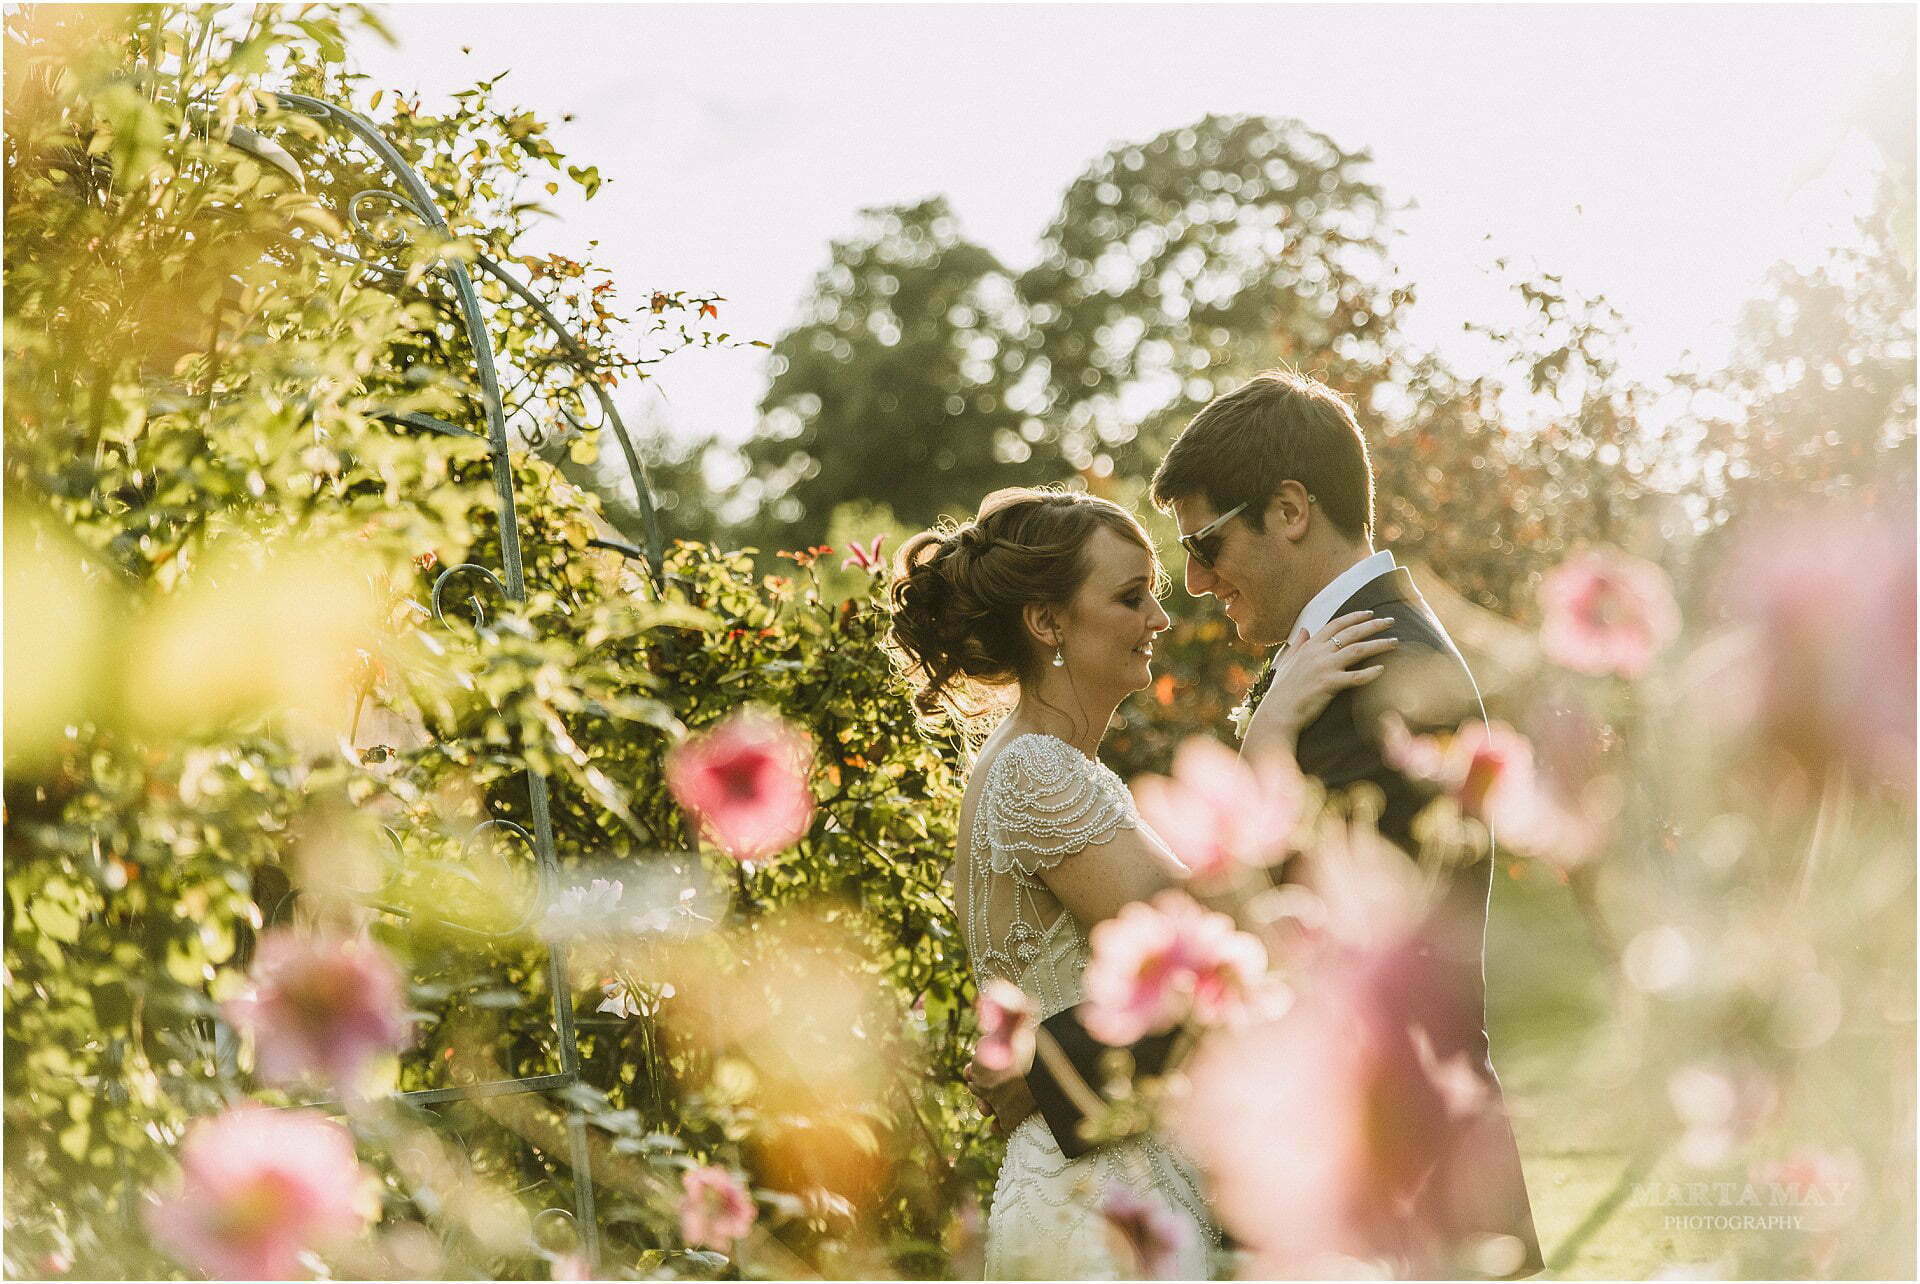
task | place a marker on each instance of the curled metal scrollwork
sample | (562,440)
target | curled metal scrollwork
(399,237)
(555,1230)
(472,568)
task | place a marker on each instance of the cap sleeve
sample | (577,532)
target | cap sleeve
(1044,801)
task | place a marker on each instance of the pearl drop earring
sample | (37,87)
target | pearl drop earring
(1059,660)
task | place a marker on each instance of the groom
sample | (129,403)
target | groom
(1273,491)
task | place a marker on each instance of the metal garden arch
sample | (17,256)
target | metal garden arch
(416,199)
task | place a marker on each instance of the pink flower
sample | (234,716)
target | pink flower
(1826,1187)
(321,1007)
(1157,963)
(1385,1151)
(1219,812)
(1604,612)
(258,1188)
(867,557)
(715,1209)
(1148,1235)
(1496,766)
(571,1266)
(1829,603)
(1488,769)
(1006,1025)
(746,782)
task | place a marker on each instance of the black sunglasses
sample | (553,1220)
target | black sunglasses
(1204,544)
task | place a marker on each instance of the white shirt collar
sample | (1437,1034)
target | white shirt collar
(1344,585)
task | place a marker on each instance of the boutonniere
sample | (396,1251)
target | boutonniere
(1242,715)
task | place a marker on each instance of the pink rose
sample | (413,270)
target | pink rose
(321,1007)
(1220,813)
(1148,1235)
(1603,612)
(715,1209)
(745,781)
(1156,963)
(258,1188)
(1006,1025)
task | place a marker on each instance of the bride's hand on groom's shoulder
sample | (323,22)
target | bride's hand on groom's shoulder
(1312,672)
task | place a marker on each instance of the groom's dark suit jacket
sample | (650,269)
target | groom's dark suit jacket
(1428,685)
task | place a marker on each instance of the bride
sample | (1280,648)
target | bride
(1050,597)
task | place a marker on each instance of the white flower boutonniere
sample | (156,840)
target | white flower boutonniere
(1241,715)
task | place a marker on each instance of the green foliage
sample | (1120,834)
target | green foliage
(208,496)
(903,380)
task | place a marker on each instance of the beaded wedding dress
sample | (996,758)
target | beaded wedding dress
(1043,801)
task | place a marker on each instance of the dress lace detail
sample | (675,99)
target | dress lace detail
(1045,800)
(1041,802)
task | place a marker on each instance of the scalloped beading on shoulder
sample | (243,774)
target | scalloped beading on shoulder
(1044,800)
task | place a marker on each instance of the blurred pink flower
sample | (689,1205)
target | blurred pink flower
(321,1007)
(1006,1025)
(1826,1187)
(1830,605)
(1158,962)
(1495,768)
(965,1240)
(715,1209)
(1219,812)
(1150,1238)
(1603,612)
(258,1188)
(571,1266)
(866,557)
(746,782)
(1488,769)
(1383,1151)
(1720,1105)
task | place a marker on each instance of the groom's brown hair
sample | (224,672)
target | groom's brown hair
(1278,426)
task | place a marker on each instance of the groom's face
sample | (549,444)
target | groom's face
(1254,573)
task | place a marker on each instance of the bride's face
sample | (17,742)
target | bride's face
(1108,628)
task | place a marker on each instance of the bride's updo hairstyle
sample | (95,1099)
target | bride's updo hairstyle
(958,590)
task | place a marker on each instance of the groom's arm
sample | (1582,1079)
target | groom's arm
(1068,1078)
(1094,886)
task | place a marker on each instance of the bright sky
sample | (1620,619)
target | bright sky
(1664,156)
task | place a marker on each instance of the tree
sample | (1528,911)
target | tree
(1818,402)
(924,374)
(1177,267)
(896,383)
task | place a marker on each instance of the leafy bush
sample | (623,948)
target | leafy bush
(230,704)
